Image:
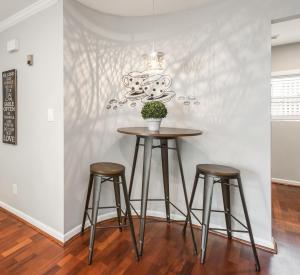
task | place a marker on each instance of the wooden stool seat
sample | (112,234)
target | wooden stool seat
(107,169)
(217,170)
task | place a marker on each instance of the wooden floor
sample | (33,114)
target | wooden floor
(25,251)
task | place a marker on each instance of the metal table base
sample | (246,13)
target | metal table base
(148,146)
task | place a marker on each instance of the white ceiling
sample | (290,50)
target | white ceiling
(10,7)
(141,7)
(287,32)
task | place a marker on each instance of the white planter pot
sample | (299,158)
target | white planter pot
(153,124)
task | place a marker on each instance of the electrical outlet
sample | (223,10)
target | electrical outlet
(15,189)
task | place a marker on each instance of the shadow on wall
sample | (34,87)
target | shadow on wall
(219,61)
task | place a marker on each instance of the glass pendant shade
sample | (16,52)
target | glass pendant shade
(154,60)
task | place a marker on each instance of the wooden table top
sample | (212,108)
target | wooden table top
(164,132)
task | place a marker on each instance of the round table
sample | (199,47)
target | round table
(164,134)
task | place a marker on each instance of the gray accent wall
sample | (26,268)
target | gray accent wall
(286,134)
(286,150)
(286,57)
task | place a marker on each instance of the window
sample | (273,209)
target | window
(286,97)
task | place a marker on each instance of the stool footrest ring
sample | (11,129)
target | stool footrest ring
(112,226)
(217,180)
(133,200)
(220,211)
(147,200)
(224,229)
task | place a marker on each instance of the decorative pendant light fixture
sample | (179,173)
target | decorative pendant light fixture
(155,60)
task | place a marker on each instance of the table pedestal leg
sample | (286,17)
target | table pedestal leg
(145,188)
(136,151)
(192,199)
(165,170)
(185,195)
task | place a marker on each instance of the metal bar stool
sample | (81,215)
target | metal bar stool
(213,174)
(100,173)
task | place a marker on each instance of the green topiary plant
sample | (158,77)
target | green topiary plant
(154,109)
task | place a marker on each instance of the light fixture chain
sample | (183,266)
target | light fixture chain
(153,14)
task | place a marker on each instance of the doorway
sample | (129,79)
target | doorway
(285,102)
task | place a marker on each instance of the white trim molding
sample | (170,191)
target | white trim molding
(285,73)
(63,238)
(29,11)
(43,227)
(269,245)
(286,182)
(76,230)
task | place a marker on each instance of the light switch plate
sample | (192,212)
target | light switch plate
(51,117)
(15,189)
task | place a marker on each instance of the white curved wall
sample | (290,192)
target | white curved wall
(220,53)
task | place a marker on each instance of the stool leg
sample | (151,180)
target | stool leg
(165,170)
(96,199)
(257,264)
(126,198)
(185,195)
(87,202)
(118,201)
(226,201)
(207,200)
(192,198)
(136,151)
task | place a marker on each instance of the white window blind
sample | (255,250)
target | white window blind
(286,97)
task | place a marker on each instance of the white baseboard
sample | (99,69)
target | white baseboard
(286,182)
(76,230)
(244,237)
(261,242)
(47,229)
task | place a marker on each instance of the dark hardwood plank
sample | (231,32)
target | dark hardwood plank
(26,251)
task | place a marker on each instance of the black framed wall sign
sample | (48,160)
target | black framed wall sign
(9,88)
